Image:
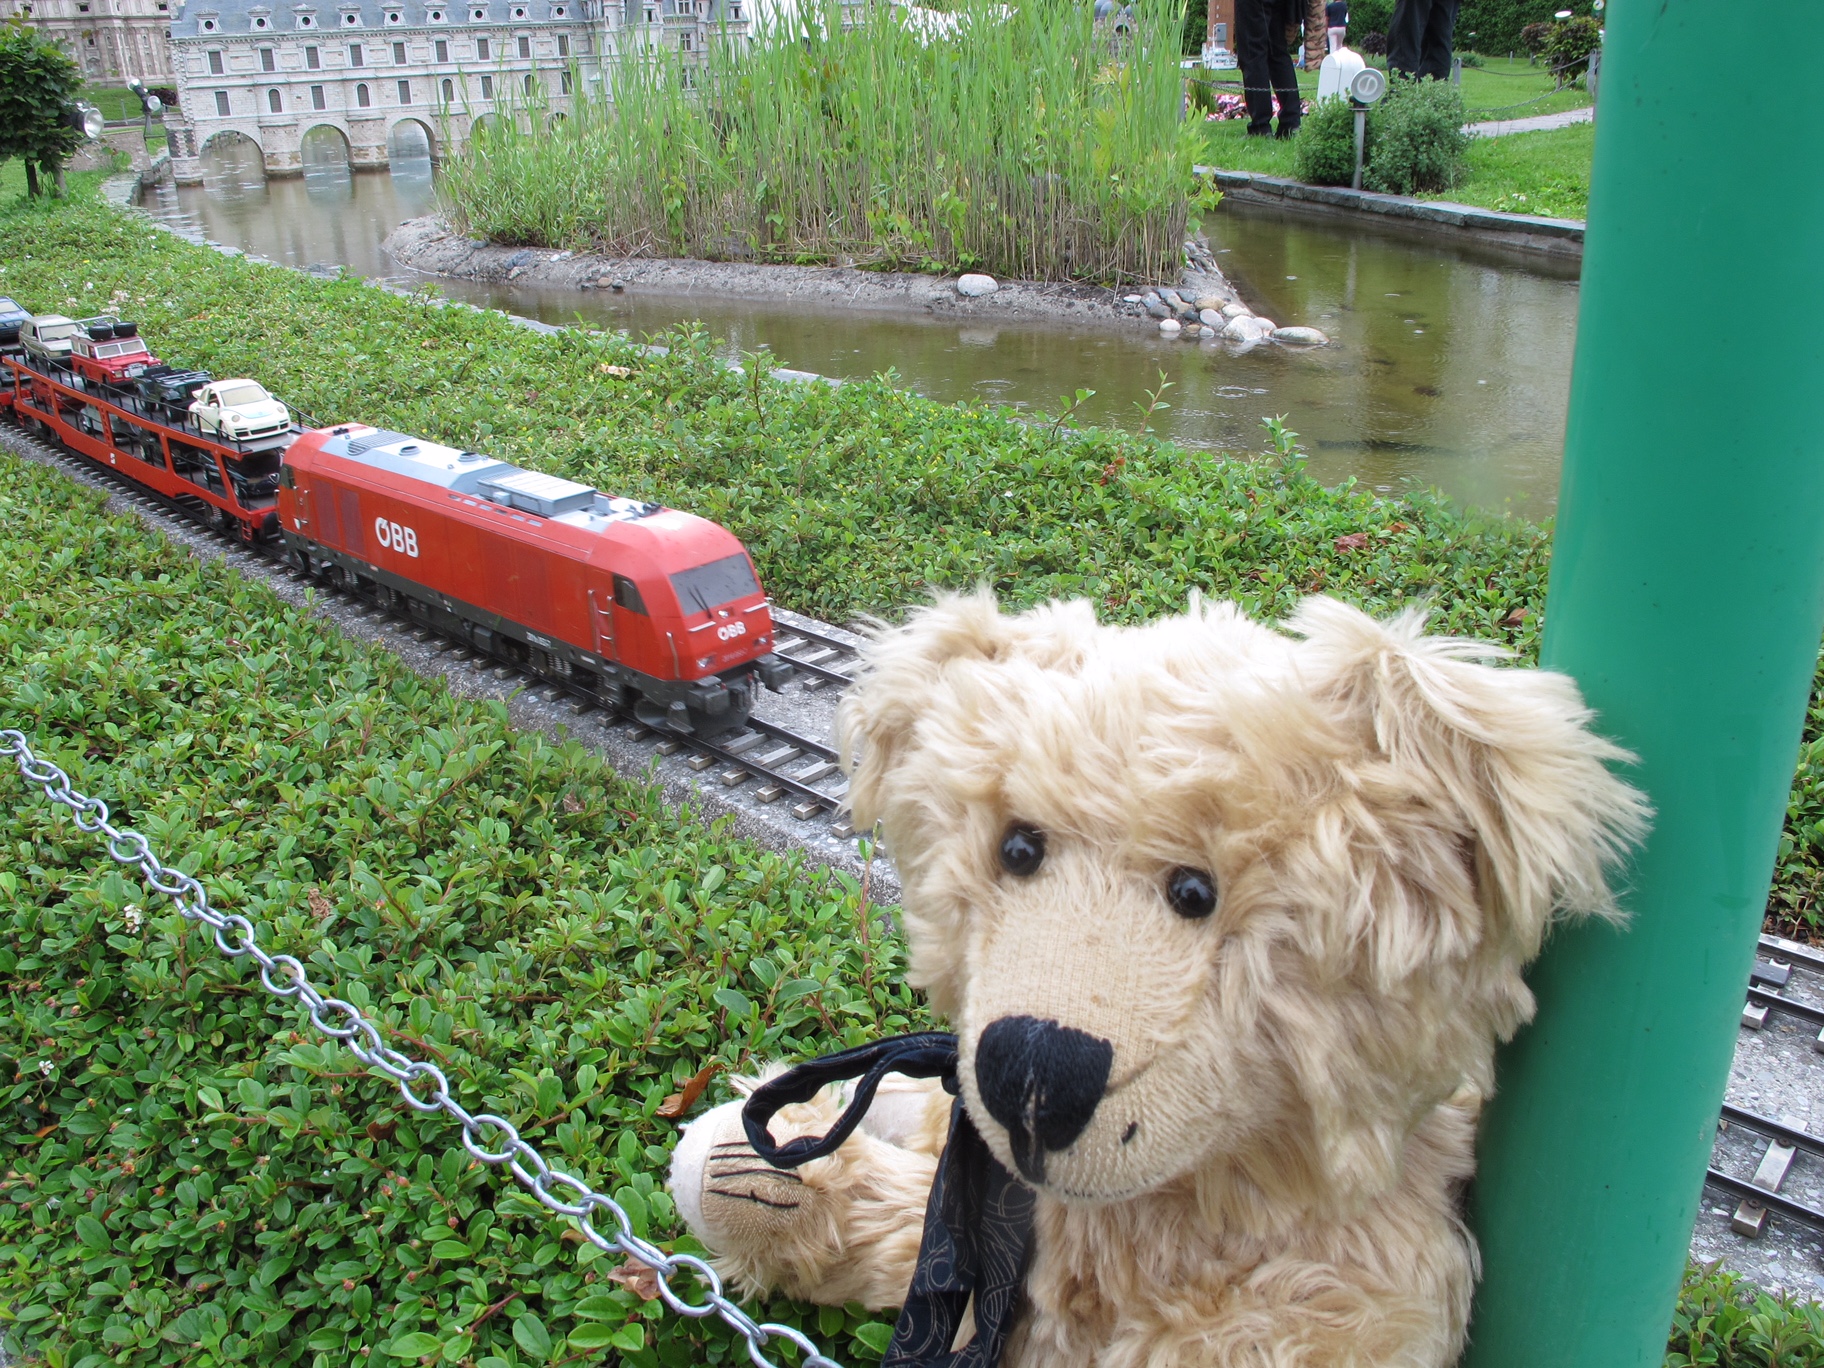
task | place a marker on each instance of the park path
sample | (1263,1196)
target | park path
(1501,127)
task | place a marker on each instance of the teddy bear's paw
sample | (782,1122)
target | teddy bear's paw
(732,1199)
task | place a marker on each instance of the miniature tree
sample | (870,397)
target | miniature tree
(38,85)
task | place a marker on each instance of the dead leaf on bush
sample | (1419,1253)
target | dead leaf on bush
(319,905)
(1515,618)
(381,1130)
(618,372)
(637,1279)
(1352,541)
(678,1103)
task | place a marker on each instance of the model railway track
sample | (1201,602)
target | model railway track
(779,762)
(818,658)
(1759,1196)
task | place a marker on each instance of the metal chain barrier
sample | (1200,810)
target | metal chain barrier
(491,1139)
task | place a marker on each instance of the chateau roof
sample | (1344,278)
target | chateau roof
(284,18)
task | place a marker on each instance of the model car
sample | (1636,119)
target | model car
(239,410)
(109,351)
(48,337)
(170,390)
(12,317)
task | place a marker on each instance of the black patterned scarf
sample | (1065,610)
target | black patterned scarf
(978,1223)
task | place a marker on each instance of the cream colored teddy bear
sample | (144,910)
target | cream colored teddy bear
(1227,923)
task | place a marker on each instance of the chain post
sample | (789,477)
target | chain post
(528,1167)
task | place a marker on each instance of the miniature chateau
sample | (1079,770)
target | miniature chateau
(382,74)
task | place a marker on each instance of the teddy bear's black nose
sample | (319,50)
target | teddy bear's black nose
(1042,1081)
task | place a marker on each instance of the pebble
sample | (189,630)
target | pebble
(1172,298)
(1150,297)
(1156,307)
(1210,318)
(1206,332)
(1245,328)
(1132,299)
(1234,309)
(974,285)
(1210,301)
(1300,337)
(1171,327)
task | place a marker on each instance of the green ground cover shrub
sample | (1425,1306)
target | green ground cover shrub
(192,1175)
(1017,144)
(1723,1321)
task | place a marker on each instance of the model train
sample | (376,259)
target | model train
(643,607)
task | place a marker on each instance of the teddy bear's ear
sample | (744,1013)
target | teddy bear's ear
(901,670)
(1507,752)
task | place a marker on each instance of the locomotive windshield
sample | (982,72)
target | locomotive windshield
(710,586)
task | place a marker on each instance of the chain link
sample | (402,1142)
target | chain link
(561,1192)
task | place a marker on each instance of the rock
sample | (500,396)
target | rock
(1300,337)
(617,285)
(1132,299)
(1156,307)
(1210,318)
(1172,298)
(974,285)
(1150,297)
(1187,315)
(1170,327)
(1206,332)
(1246,328)
(1234,309)
(1267,325)
(1210,301)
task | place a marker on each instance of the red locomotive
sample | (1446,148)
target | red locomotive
(635,602)
(641,606)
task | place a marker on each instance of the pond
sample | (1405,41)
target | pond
(1450,366)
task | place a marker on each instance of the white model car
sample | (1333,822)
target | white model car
(239,410)
(48,337)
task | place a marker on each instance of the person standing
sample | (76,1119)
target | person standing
(1336,17)
(1261,38)
(1419,37)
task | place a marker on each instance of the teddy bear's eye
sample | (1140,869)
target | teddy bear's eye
(1022,850)
(1191,892)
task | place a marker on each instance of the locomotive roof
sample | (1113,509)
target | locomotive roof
(484,477)
(234,18)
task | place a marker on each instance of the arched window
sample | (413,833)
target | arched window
(449,93)
(274,103)
(528,83)
(362,98)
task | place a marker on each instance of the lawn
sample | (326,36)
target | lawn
(82,184)
(1546,172)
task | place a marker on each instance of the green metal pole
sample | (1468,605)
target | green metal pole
(1687,598)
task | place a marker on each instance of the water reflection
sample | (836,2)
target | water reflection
(1449,368)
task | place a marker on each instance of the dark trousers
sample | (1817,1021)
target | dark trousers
(1419,37)
(1260,46)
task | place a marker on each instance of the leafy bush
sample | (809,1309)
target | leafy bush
(1324,152)
(1532,38)
(1724,1322)
(192,1177)
(1373,44)
(1568,47)
(1497,24)
(1418,138)
(1369,17)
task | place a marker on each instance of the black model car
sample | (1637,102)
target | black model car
(11,317)
(169,390)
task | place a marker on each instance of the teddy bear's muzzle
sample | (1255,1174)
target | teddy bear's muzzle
(1043,1082)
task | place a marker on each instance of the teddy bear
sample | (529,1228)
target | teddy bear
(1227,921)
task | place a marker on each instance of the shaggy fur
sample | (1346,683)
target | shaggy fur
(1271,1177)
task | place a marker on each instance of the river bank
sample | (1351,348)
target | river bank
(430,245)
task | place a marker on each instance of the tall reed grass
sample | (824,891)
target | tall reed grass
(1028,141)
